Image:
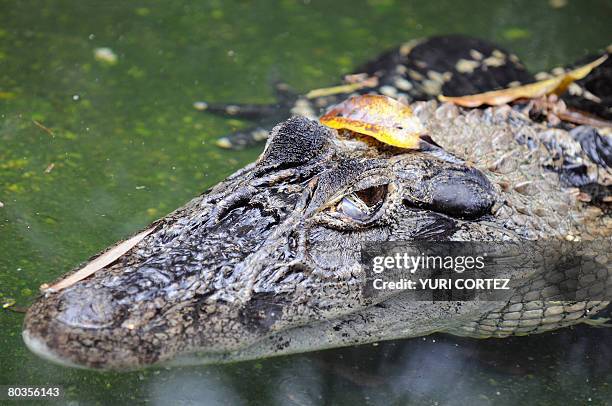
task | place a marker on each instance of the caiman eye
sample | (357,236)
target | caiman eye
(363,204)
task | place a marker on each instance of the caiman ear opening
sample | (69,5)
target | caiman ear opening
(295,141)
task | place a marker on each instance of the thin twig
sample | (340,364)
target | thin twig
(42,127)
(346,88)
(98,263)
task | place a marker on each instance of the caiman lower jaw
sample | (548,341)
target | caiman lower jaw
(39,347)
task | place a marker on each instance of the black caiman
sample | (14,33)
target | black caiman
(246,270)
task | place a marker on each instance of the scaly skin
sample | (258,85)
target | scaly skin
(263,264)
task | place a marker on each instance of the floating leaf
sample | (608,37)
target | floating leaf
(100,262)
(557,85)
(381,117)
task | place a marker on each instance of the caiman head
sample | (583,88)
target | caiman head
(267,261)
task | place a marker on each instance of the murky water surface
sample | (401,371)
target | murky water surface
(96,144)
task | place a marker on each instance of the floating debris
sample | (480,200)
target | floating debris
(223,142)
(346,88)
(100,262)
(557,3)
(50,167)
(44,128)
(200,105)
(105,55)
(8,302)
(555,85)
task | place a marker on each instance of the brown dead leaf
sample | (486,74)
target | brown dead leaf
(381,117)
(100,262)
(556,85)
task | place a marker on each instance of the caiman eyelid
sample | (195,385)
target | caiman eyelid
(372,196)
(360,206)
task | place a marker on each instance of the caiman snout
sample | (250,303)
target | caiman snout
(192,284)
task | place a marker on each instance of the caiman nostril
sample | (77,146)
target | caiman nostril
(466,194)
(87,307)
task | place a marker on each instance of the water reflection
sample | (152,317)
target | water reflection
(192,387)
(573,366)
(300,383)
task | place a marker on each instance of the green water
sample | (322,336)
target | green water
(91,151)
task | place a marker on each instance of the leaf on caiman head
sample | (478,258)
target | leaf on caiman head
(381,117)
(557,85)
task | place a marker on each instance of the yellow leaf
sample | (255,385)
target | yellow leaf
(381,117)
(556,85)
